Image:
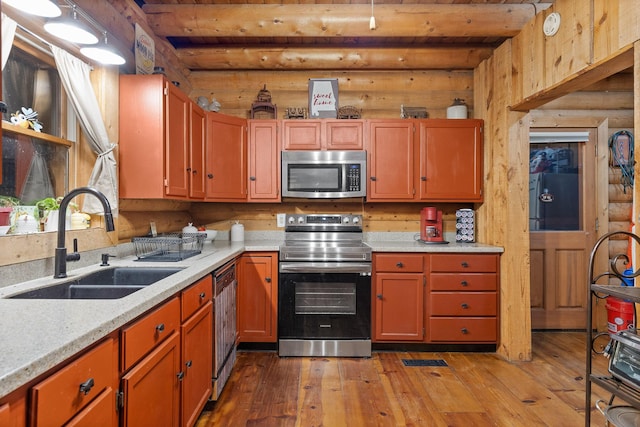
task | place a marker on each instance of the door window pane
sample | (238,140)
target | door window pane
(554,186)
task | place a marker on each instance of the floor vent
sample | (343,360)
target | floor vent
(424,362)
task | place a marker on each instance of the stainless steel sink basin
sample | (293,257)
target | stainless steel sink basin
(107,283)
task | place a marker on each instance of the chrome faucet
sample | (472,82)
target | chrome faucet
(61,251)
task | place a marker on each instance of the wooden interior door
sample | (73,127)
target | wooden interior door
(562,224)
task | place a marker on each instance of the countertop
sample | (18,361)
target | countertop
(38,334)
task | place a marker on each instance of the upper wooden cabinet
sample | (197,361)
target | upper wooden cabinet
(226,158)
(450,160)
(264,161)
(323,134)
(156,139)
(435,160)
(197,186)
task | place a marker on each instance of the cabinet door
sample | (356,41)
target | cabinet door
(197,125)
(13,410)
(99,413)
(264,161)
(391,152)
(258,297)
(151,390)
(302,134)
(226,158)
(344,134)
(399,307)
(451,160)
(176,142)
(197,357)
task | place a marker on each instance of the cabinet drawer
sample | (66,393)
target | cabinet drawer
(463,282)
(139,338)
(463,304)
(58,398)
(463,329)
(100,413)
(464,263)
(399,263)
(196,296)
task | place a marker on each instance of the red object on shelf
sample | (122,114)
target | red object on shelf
(619,315)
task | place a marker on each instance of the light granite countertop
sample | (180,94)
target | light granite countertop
(39,334)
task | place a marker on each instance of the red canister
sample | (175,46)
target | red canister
(619,315)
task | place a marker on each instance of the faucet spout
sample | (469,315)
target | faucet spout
(61,257)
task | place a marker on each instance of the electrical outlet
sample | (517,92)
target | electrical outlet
(280,219)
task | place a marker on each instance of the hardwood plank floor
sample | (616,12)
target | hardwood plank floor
(474,389)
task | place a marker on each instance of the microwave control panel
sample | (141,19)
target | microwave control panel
(353,177)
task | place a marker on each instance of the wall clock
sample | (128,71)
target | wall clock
(551,24)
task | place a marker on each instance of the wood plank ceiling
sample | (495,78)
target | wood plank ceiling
(335,34)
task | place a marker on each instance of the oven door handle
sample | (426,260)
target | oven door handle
(325,267)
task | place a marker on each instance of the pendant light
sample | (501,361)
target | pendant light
(372,21)
(103,54)
(71,29)
(45,8)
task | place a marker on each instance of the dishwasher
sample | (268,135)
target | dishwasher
(224,325)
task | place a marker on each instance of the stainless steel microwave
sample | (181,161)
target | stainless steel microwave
(324,174)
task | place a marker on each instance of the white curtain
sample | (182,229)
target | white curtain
(8,33)
(76,81)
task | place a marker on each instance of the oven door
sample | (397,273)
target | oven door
(320,301)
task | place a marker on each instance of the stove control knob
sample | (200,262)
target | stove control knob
(345,220)
(356,220)
(300,220)
(291,220)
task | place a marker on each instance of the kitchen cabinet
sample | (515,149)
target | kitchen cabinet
(434,160)
(226,158)
(450,160)
(463,298)
(150,358)
(264,161)
(197,122)
(81,393)
(258,297)
(155,139)
(398,297)
(323,134)
(196,333)
(392,154)
(13,409)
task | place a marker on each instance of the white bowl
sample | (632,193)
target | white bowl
(211,234)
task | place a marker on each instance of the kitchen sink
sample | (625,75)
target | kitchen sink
(107,283)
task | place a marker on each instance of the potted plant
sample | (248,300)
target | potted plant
(48,212)
(6,207)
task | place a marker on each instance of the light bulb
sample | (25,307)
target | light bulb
(372,23)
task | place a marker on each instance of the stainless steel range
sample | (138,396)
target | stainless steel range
(324,292)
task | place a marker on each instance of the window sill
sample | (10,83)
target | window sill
(8,127)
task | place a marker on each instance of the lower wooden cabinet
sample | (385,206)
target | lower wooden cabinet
(81,393)
(13,409)
(151,390)
(435,298)
(258,297)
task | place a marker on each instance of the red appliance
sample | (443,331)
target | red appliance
(431,225)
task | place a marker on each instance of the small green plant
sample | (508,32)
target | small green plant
(8,201)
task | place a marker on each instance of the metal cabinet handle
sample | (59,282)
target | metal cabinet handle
(464,305)
(210,175)
(202,295)
(252,178)
(188,169)
(423,178)
(464,264)
(464,283)
(399,265)
(373,178)
(379,296)
(189,363)
(160,327)
(464,331)
(267,279)
(195,171)
(180,375)
(86,386)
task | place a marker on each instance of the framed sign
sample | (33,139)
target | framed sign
(323,98)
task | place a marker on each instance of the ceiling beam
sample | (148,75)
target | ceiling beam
(339,20)
(272,58)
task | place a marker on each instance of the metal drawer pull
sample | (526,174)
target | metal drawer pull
(399,265)
(464,331)
(464,305)
(160,327)
(86,386)
(202,295)
(379,296)
(464,264)
(189,363)
(464,283)
(267,279)
(180,375)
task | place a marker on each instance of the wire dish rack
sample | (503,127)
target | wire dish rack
(168,246)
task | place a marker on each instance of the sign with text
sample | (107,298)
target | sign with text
(323,98)
(145,51)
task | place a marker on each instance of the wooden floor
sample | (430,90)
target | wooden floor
(474,389)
